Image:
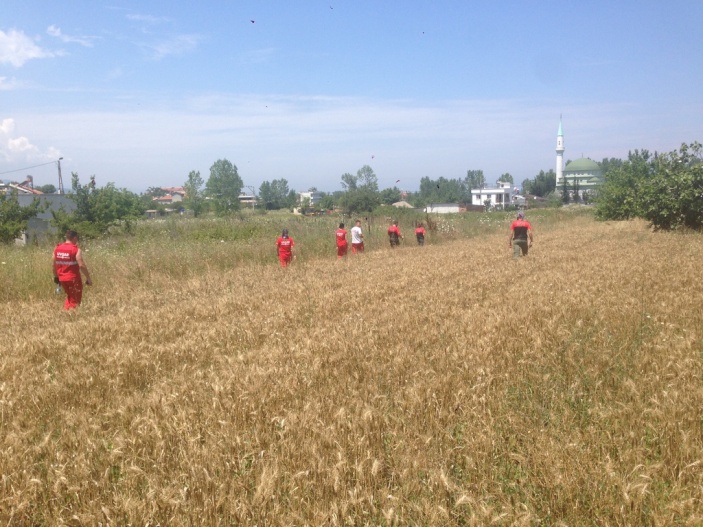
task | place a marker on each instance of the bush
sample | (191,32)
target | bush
(666,190)
(98,209)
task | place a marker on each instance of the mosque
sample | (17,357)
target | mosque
(583,174)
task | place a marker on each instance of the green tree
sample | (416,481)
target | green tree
(224,186)
(475,179)
(47,189)
(618,196)
(276,195)
(673,196)
(280,191)
(327,202)
(98,209)
(349,181)
(388,196)
(14,217)
(565,198)
(507,178)
(542,184)
(194,199)
(609,164)
(361,191)
(366,179)
(442,190)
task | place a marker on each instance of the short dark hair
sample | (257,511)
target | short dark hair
(341,225)
(70,234)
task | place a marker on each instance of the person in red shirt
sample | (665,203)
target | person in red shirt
(284,248)
(520,233)
(341,235)
(394,235)
(420,234)
(68,264)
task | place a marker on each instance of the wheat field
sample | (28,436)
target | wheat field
(444,385)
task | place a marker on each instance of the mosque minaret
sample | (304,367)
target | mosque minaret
(560,153)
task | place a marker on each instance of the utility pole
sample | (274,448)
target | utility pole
(60,179)
(253,193)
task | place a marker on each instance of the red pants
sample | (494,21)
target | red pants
(341,251)
(357,248)
(285,259)
(74,294)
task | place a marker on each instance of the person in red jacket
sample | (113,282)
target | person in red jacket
(284,248)
(68,264)
(420,234)
(520,233)
(394,235)
(341,235)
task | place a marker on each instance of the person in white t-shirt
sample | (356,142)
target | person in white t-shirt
(357,238)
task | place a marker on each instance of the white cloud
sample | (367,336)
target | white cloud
(16,48)
(257,56)
(148,19)
(86,41)
(20,149)
(177,45)
(8,84)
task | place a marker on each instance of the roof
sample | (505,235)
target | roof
(582,165)
(403,205)
(21,189)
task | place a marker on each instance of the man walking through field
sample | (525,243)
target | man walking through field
(394,235)
(357,238)
(341,237)
(284,248)
(68,264)
(520,233)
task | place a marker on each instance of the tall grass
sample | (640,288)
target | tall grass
(443,385)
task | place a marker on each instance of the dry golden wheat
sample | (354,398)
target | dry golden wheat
(448,385)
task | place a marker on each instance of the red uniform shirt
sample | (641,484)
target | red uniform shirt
(420,231)
(520,228)
(285,246)
(341,237)
(393,231)
(65,263)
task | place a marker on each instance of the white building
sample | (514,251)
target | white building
(314,197)
(247,200)
(443,208)
(498,197)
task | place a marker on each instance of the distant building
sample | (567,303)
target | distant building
(173,195)
(40,226)
(583,173)
(247,200)
(24,188)
(403,205)
(443,208)
(314,197)
(497,197)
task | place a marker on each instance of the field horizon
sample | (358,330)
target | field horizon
(443,385)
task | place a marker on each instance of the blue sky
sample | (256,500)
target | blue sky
(141,93)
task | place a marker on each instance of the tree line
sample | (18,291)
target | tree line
(665,189)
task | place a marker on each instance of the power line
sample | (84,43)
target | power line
(27,168)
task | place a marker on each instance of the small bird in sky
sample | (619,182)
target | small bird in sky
(397,181)
(252,21)
(373,156)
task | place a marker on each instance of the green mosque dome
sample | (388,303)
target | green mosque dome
(582,165)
